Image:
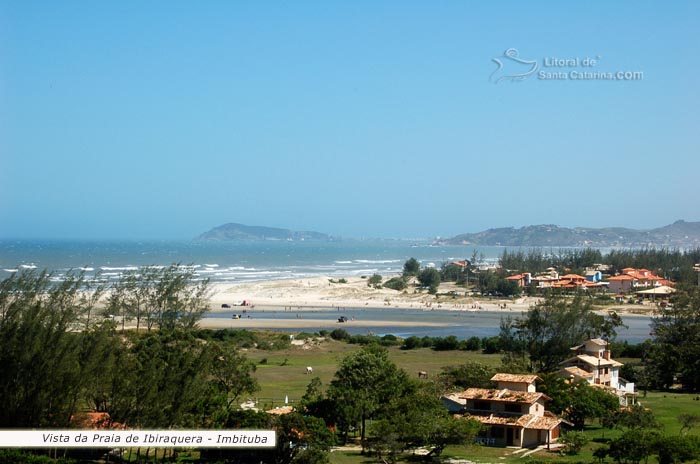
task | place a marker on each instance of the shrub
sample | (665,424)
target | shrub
(340,334)
(396,283)
(473,344)
(374,281)
(573,441)
(411,343)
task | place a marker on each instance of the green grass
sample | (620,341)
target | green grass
(284,373)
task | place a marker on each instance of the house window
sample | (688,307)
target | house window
(482,405)
(510,407)
(517,433)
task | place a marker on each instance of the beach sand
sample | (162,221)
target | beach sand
(320,293)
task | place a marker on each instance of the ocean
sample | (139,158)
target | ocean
(232,261)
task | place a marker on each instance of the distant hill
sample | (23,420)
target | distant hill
(233,232)
(680,234)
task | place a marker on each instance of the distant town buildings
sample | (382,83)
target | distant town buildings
(628,281)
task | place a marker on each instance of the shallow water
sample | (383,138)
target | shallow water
(462,324)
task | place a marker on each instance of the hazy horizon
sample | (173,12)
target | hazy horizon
(125,120)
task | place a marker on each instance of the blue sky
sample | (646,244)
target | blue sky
(163,119)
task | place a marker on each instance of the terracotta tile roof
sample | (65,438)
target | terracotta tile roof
(621,277)
(505,395)
(593,361)
(515,277)
(515,378)
(526,421)
(576,372)
(95,420)
(573,277)
(281,410)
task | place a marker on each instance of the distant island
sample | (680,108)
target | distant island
(680,234)
(242,232)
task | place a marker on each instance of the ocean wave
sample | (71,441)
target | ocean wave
(122,268)
(11,270)
(377,261)
(342,262)
(28,266)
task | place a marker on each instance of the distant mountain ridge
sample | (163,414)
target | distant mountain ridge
(680,234)
(234,231)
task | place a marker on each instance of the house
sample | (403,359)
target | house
(523,280)
(513,413)
(594,276)
(592,363)
(632,279)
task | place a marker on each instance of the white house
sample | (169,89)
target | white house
(592,362)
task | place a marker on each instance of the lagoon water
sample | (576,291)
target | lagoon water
(462,324)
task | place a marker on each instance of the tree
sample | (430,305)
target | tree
(429,277)
(675,353)
(39,350)
(587,402)
(468,375)
(232,373)
(411,267)
(573,441)
(418,419)
(633,418)
(362,384)
(550,328)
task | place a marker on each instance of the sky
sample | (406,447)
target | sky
(163,119)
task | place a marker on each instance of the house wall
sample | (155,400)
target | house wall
(517,386)
(615,377)
(620,286)
(536,409)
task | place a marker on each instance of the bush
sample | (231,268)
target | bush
(340,334)
(490,345)
(678,449)
(473,344)
(411,343)
(374,281)
(573,441)
(446,344)
(396,283)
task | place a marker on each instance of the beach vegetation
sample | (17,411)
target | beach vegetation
(429,277)
(411,268)
(396,283)
(375,281)
(339,334)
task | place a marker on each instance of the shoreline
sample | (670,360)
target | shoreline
(320,294)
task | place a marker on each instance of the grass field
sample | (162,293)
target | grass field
(283,373)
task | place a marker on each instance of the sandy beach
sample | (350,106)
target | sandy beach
(320,293)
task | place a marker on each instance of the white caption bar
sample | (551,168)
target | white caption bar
(137,438)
